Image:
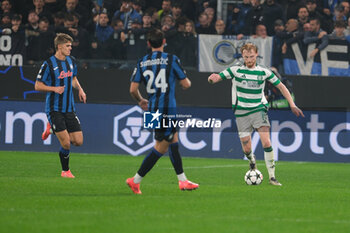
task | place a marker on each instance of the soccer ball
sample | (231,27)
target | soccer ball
(253,177)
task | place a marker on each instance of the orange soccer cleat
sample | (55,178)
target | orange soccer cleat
(188,185)
(67,174)
(47,131)
(134,187)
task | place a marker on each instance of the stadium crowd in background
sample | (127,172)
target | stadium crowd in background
(116,29)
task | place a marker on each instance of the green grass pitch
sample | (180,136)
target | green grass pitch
(34,198)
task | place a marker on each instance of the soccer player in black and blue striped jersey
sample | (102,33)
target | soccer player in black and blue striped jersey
(159,71)
(58,77)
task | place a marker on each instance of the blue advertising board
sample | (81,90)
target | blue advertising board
(119,129)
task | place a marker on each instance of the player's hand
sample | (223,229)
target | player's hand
(143,104)
(82,96)
(214,78)
(297,111)
(59,90)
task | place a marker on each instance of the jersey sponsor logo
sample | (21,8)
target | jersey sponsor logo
(65,74)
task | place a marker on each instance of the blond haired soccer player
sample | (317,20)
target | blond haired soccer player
(58,77)
(250,105)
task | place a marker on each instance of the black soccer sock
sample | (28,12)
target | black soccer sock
(176,158)
(148,163)
(64,157)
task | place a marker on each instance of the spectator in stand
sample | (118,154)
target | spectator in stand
(136,42)
(339,31)
(346,5)
(99,45)
(6,8)
(236,20)
(6,20)
(33,21)
(40,9)
(303,16)
(271,12)
(170,34)
(180,23)
(176,11)
(41,46)
(306,27)
(276,58)
(58,19)
(31,28)
(347,30)
(127,14)
(74,6)
(220,27)
(254,17)
(291,35)
(166,9)
(155,18)
(116,41)
(339,13)
(211,16)
(80,44)
(204,26)
(137,5)
(188,41)
(326,22)
(316,35)
(260,31)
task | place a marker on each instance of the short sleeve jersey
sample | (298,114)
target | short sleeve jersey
(55,72)
(159,72)
(248,87)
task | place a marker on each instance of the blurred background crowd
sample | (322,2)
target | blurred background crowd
(116,29)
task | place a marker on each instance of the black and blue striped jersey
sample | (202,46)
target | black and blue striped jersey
(159,72)
(55,72)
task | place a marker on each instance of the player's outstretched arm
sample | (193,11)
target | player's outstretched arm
(40,86)
(76,85)
(135,93)
(297,111)
(214,78)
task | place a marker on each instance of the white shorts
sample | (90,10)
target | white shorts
(247,124)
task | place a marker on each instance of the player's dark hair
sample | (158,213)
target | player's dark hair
(62,38)
(155,38)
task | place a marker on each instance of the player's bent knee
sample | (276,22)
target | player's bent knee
(77,142)
(66,145)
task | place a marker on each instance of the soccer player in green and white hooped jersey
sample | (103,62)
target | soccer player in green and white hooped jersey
(250,105)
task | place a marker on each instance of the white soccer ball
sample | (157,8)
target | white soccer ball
(253,177)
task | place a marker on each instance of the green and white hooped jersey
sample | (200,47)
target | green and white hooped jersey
(248,87)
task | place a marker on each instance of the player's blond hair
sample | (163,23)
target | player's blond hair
(62,38)
(249,46)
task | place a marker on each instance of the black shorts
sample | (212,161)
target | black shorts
(64,121)
(164,134)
